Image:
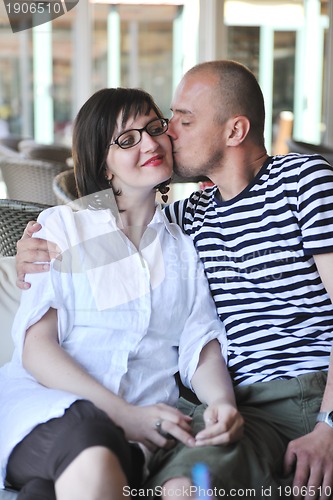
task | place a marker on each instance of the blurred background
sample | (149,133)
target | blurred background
(47,72)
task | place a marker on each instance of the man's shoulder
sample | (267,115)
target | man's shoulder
(300,168)
(299,159)
(198,200)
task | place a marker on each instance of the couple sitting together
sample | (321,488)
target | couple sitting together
(232,288)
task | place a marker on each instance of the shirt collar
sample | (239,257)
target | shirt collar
(161,218)
(105,216)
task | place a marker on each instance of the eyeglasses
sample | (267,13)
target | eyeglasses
(132,137)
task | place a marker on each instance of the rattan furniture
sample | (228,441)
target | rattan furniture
(5,151)
(64,187)
(14,216)
(49,152)
(11,142)
(30,180)
(9,146)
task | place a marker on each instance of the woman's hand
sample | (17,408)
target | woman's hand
(53,367)
(139,424)
(224,424)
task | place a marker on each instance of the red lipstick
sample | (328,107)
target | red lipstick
(154,161)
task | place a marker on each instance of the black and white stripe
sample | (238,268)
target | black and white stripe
(257,251)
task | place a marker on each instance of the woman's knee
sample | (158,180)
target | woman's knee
(95,473)
(178,487)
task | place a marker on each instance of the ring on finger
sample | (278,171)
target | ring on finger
(158,427)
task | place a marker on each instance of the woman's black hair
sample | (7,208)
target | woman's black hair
(94,128)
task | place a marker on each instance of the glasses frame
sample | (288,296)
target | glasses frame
(141,130)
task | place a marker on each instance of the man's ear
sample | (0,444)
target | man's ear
(239,127)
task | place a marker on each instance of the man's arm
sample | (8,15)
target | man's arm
(30,251)
(33,254)
(324,263)
(312,455)
(212,384)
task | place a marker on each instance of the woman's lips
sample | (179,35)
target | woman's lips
(155,161)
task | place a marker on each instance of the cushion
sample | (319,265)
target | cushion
(9,302)
(7,495)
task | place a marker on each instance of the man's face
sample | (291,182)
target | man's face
(198,140)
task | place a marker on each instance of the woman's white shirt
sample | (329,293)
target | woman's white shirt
(132,317)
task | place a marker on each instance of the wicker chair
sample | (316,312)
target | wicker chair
(49,152)
(6,151)
(64,187)
(11,142)
(30,180)
(14,216)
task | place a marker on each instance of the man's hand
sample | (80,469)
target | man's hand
(31,250)
(224,425)
(311,458)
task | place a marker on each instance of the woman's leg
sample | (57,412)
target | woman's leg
(178,487)
(95,474)
(85,438)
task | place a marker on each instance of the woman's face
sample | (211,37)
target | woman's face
(143,166)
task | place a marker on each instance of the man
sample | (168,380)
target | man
(265,235)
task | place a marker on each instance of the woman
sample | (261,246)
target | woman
(90,389)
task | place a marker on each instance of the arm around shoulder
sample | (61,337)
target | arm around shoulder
(33,254)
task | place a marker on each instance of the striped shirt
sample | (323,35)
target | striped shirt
(257,252)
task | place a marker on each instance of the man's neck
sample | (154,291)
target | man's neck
(237,175)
